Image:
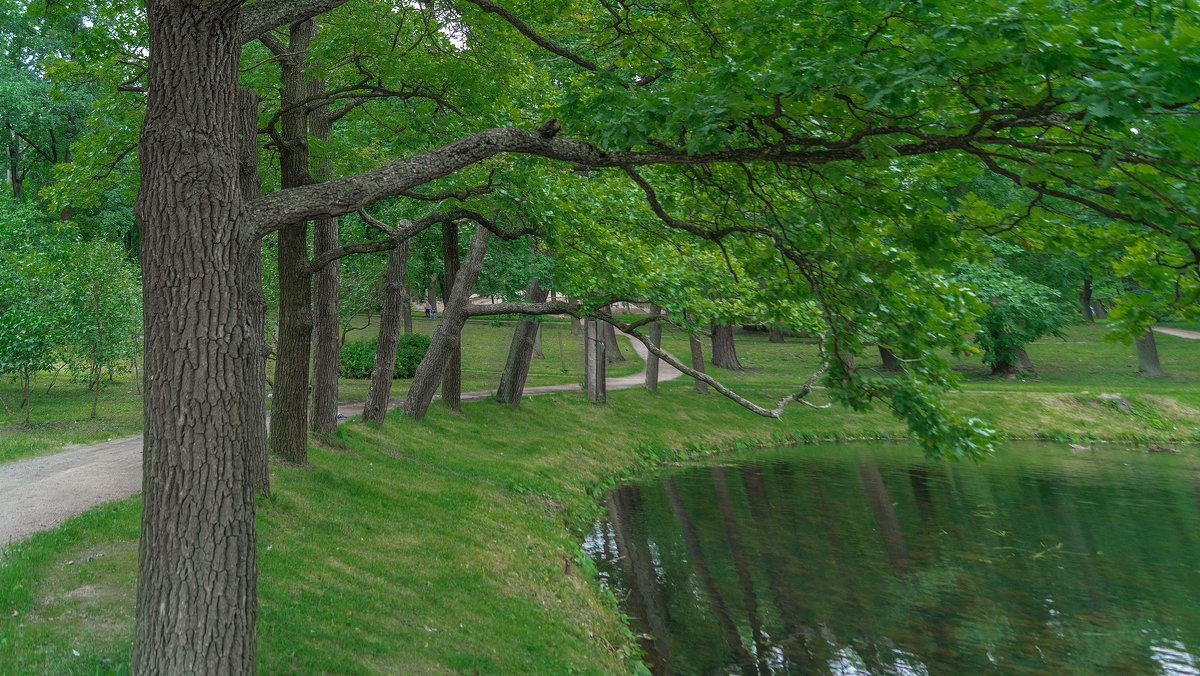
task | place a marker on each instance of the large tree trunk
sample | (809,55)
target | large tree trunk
(452,377)
(448,332)
(254,372)
(289,407)
(1085,301)
(724,354)
(612,351)
(775,333)
(652,359)
(697,350)
(1147,352)
(395,308)
(1015,362)
(520,351)
(407,314)
(325,296)
(197,573)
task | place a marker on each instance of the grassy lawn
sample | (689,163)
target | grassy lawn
(61,417)
(450,545)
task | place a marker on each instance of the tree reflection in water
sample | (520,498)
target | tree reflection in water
(857,559)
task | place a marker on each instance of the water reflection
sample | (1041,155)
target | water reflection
(858,560)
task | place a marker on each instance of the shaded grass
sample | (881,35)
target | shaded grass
(450,545)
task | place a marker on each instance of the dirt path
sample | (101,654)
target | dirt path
(42,492)
(1182,333)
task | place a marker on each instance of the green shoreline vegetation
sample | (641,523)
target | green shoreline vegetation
(451,545)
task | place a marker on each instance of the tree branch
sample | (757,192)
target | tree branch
(524,29)
(265,15)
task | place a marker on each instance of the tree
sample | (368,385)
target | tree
(101,313)
(1018,312)
(930,88)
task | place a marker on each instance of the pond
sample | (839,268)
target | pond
(868,559)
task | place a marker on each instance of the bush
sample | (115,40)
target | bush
(357,357)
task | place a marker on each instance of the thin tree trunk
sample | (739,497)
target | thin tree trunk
(520,351)
(432,296)
(1085,301)
(14,163)
(254,370)
(395,306)
(68,212)
(576,326)
(724,354)
(594,362)
(448,332)
(452,377)
(1147,352)
(612,350)
(652,360)
(890,363)
(325,293)
(197,567)
(697,349)
(289,407)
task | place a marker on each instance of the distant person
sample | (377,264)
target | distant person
(428,309)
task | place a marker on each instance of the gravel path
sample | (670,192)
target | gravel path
(42,492)
(1182,333)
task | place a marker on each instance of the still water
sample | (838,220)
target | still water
(868,559)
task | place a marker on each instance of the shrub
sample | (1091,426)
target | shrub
(357,357)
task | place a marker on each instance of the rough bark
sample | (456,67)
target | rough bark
(775,333)
(432,297)
(537,343)
(1085,302)
(452,377)
(594,362)
(652,359)
(520,351)
(890,363)
(254,372)
(323,416)
(448,332)
(697,349)
(395,309)
(612,350)
(1147,352)
(724,354)
(289,406)
(196,598)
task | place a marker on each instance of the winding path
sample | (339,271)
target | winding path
(40,493)
(1181,333)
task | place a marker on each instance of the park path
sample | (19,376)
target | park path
(1182,333)
(40,493)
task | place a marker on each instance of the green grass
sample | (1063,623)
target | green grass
(485,349)
(450,545)
(62,417)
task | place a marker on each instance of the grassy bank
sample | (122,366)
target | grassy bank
(451,545)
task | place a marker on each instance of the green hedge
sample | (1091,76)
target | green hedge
(357,357)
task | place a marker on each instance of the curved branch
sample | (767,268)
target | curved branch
(777,411)
(524,29)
